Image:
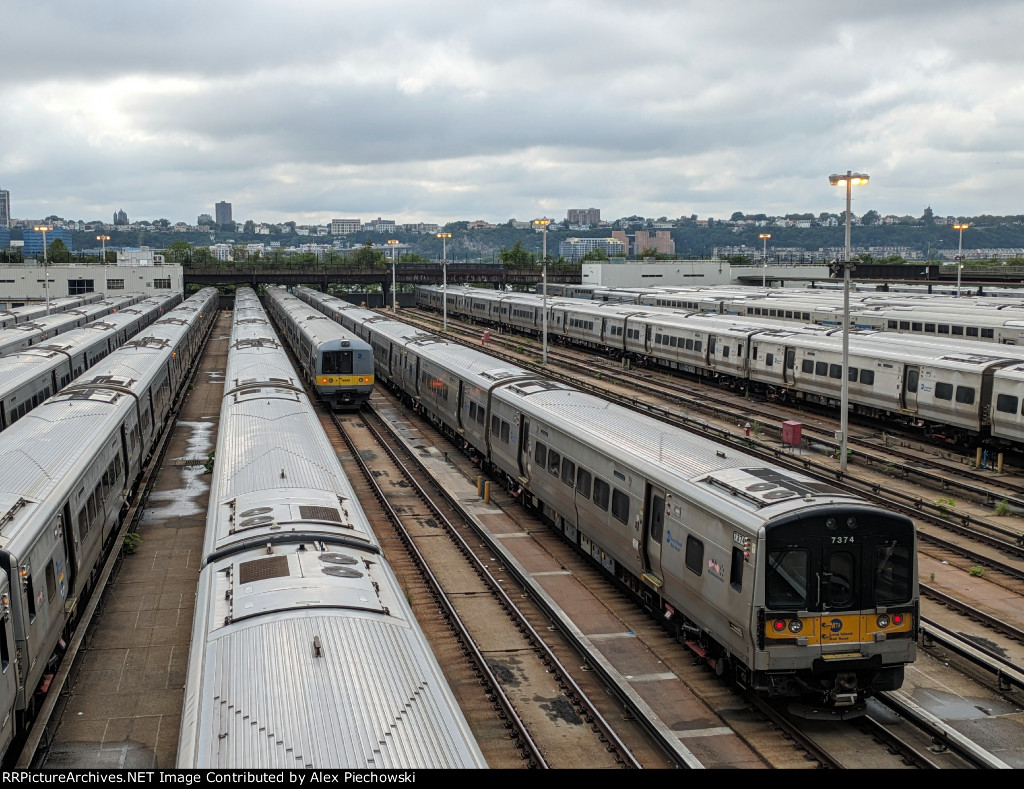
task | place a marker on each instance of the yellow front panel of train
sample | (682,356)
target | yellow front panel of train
(840,629)
(344,380)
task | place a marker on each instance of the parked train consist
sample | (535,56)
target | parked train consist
(295,589)
(334,361)
(66,470)
(30,312)
(959,392)
(24,335)
(30,376)
(794,588)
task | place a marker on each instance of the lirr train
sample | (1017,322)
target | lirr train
(336,363)
(795,589)
(961,393)
(30,312)
(66,470)
(30,376)
(24,335)
(300,623)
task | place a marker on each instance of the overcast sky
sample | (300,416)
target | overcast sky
(416,111)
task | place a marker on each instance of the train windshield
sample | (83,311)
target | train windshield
(337,363)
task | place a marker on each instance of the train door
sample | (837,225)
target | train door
(840,590)
(654,528)
(789,366)
(911,381)
(712,348)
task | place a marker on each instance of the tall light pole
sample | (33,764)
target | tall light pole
(848,180)
(46,271)
(960,256)
(764,257)
(103,240)
(392,242)
(543,225)
(444,273)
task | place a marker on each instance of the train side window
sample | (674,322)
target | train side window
(929,328)
(472,410)
(725,351)
(697,345)
(769,359)
(786,581)
(867,377)
(965,395)
(943,391)
(51,581)
(712,342)
(972,331)
(807,366)
(958,331)
(1006,404)
(851,374)
(554,462)
(912,378)
(835,371)
(892,325)
(5,654)
(620,506)
(736,570)
(790,358)
(602,493)
(821,368)
(568,472)
(506,430)
(943,328)
(904,325)
(916,326)
(83,523)
(540,454)
(495,425)
(988,334)
(481,415)
(806,316)
(31,594)
(689,345)
(694,554)
(583,482)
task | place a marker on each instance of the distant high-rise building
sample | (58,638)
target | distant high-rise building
(5,208)
(34,240)
(342,227)
(120,217)
(583,216)
(222,212)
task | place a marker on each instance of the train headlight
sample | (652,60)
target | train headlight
(779,625)
(795,626)
(897,619)
(883,620)
(831,523)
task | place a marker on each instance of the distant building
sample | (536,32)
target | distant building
(344,227)
(573,249)
(5,208)
(34,240)
(583,216)
(204,219)
(222,211)
(660,241)
(120,218)
(379,225)
(221,251)
(5,236)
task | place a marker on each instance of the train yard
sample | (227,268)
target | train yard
(552,665)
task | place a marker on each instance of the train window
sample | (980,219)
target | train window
(5,653)
(972,331)
(337,362)
(583,482)
(83,523)
(620,506)
(1007,404)
(943,391)
(31,594)
(495,425)
(712,341)
(821,368)
(807,316)
(867,377)
(892,325)
(835,371)
(697,345)
(472,410)
(789,313)
(725,351)
(736,570)
(893,571)
(839,580)
(786,580)
(51,581)
(481,415)
(943,328)
(689,345)
(912,378)
(769,359)
(904,325)
(506,430)
(958,331)
(807,366)
(851,374)
(568,472)
(602,493)
(694,554)
(988,334)
(916,326)
(540,454)
(790,358)
(929,328)
(554,462)
(965,395)
(672,341)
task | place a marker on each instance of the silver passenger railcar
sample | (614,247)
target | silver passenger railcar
(794,588)
(30,312)
(30,376)
(66,470)
(338,364)
(299,621)
(24,335)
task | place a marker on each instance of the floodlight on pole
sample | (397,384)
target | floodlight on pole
(393,242)
(764,257)
(543,225)
(444,273)
(848,181)
(960,256)
(46,271)
(103,241)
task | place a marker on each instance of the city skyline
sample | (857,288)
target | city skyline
(459,111)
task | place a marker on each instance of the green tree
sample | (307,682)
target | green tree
(178,252)
(596,254)
(870,218)
(58,252)
(516,257)
(367,257)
